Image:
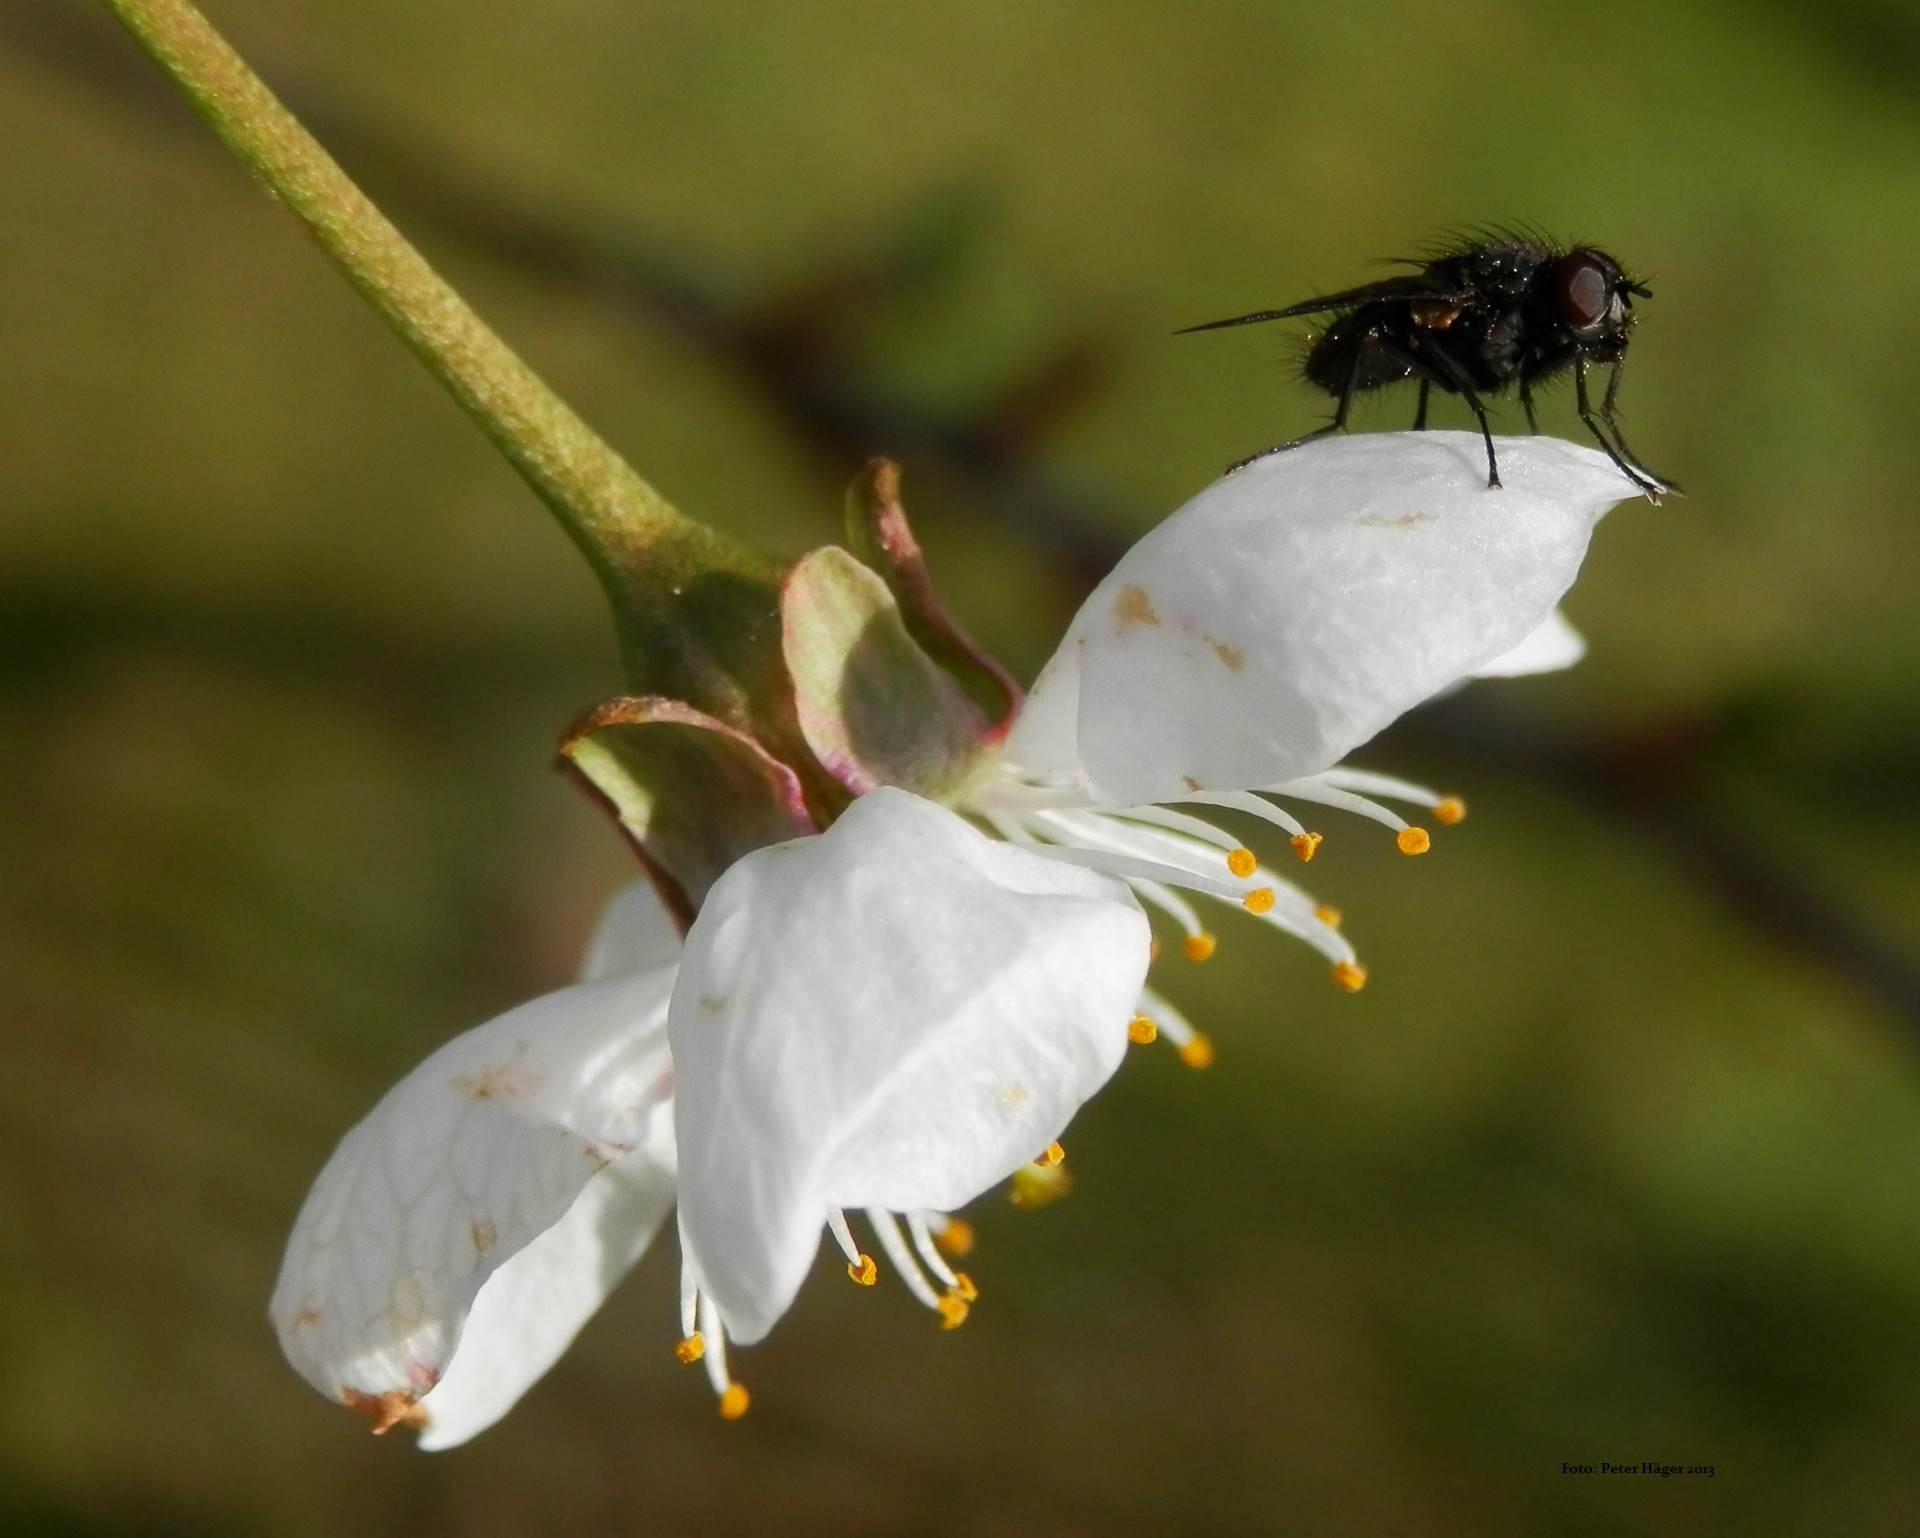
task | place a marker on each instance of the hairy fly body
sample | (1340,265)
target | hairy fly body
(1473,320)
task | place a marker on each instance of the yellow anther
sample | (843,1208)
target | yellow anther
(956,1238)
(1199,947)
(864,1271)
(1414,841)
(1450,811)
(1153,950)
(953,1310)
(1259,900)
(963,1284)
(1198,1053)
(1142,1031)
(692,1348)
(1242,863)
(733,1403)
(1035,1185)
(1328,916)
(1306,845)
(1350,976)
(1055,1154)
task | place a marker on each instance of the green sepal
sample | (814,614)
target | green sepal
(877,532)
(691,793)
(875,708)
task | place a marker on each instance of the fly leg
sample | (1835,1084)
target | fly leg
(1526,403)
(1650,487)
(1458,381)
(1613,424)
(1420,416)
(1339,411)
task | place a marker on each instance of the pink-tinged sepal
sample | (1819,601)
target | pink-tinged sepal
(877,532)
(875,706)
(691,793)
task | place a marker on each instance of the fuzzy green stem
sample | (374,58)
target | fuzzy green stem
(643,550)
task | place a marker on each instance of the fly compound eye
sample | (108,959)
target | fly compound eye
(1586,293)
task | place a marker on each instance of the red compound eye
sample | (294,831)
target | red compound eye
(1586,290)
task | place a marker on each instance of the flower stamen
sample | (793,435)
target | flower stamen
(1036,1185)
(1175,907)
(895,1244)
(733,1397)
(860,1265)
(1195,1048)
(928,1251)
(1254,806)
(1141,1031)
(1198,1052)
(961,1293)
(1053,1154)
(1153,858)
(689,1307)
(1200,947)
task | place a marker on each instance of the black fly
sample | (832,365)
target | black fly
(1473,319)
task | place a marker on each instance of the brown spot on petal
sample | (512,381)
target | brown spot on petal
(485,1235)
(306,1317)
(1231,657)
(1133,607)
(1404,521)
(498,1082)
(396,1407)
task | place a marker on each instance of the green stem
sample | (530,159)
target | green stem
(639,545)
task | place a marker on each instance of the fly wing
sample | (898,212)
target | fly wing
(1412,285)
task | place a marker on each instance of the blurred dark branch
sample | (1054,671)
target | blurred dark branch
(791,349)
(1877,42)
(1647,781)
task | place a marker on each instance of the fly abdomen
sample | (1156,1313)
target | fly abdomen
(1357,353)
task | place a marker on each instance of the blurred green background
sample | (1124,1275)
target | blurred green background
(1618,1156)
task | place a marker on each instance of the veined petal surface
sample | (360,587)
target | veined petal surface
(897,1013)
(532,1306)
(464,1163)
(1290,611)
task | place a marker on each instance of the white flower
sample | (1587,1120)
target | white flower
(464,1231)
(901,1012)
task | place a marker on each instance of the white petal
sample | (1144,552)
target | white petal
(531,1308)
(635,932)
(898,1013)
(468,1159)
(1289,612)
(1046,734)
(1555,645)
